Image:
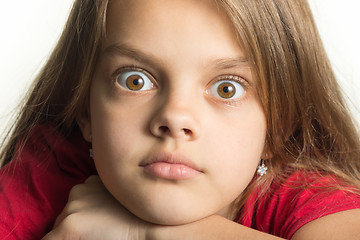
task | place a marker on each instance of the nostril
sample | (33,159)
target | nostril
(164,129)
(187,131)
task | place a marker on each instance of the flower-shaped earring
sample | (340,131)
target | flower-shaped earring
(261,168)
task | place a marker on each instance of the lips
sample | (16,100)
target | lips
(171,166)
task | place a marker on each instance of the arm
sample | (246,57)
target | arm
(92,213)
(341,225)
(210,228)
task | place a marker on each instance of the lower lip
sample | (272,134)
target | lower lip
(171,171)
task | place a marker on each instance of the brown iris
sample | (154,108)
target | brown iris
(226,90)
(135,82)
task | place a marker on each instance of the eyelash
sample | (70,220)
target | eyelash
(231,78)
(129,68)
(228,77)
(235,78)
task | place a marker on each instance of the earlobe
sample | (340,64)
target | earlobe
(267,153)
(85,127)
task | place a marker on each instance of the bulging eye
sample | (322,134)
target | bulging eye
(134,81)
(227,89)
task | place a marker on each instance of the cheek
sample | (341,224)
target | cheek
(241,137)
(235,160)
(115,143)
(115,118)
(115,130)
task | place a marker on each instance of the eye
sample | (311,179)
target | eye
(227,89)
(134,81)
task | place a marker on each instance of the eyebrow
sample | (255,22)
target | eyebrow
(150,59)
(229,63)
(130,52)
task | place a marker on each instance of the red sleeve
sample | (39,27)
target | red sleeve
(299,200)
(34,187)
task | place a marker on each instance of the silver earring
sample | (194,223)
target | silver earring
(261,168)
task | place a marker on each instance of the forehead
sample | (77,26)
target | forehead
(164,11)
(170,25)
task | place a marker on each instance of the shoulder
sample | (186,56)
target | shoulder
(297,200)
(47,147)
(35,184)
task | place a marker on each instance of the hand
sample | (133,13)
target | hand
(93,213)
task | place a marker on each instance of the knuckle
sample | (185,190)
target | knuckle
(76,191)
(92,179)
(72,207)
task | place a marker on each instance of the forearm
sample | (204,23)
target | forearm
(214,227)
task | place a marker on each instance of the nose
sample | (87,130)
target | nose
(177,120)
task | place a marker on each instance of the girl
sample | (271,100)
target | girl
(195,115)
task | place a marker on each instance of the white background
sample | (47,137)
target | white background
(30,28)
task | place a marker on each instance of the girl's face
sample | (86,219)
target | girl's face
(177,129)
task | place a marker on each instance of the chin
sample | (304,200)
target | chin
(170,220)
(168,217)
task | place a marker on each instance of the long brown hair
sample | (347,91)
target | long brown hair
(308,124)
(61,89)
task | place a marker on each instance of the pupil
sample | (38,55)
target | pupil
(136,82)
(226,89)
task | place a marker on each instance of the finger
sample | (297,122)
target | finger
(69,228)
(93,179)
(51,236)
(88,187)
(60,218)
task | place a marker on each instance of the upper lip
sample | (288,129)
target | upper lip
(172,158)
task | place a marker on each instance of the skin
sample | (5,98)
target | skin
(180,114)
(93,213)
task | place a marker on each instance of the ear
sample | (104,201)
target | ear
(84,123)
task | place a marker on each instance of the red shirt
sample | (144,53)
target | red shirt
(34,189)
(299,200)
